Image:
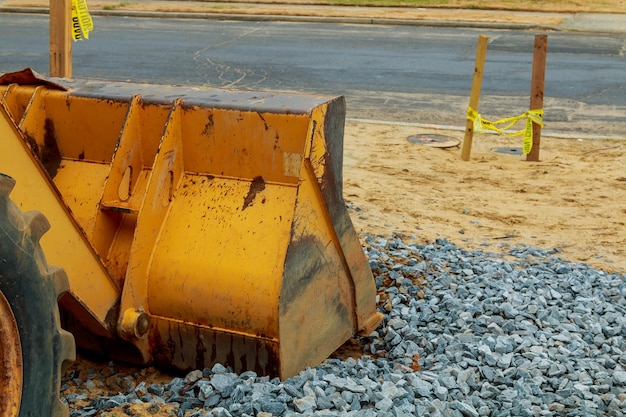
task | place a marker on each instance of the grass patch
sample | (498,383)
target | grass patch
(598,6)
(115,6)
(387,3)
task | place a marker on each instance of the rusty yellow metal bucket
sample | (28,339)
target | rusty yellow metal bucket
(215,219)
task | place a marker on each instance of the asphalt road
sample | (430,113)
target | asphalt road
(394,73)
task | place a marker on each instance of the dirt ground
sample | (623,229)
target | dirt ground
(572,199)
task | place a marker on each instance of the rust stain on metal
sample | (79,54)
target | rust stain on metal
(256,186)
(264,122)
(276,139)
(200,349)
(208,127)
(50,153)
(313,130)
(112,316)
(162,352)
(327,175)
(187,346)
(230,356)
(32,143)
(213,351)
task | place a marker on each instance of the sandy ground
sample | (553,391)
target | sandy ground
(572,199)
(454,10)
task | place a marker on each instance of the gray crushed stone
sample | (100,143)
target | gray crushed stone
(465,334)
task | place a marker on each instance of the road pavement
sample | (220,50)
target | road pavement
(613,24)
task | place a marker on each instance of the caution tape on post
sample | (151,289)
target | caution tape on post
(82,23)
(481,124)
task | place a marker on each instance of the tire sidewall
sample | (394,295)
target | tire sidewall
(27,285)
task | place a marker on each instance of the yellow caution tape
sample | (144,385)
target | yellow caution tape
(76,35)
(480,125)
(81,20)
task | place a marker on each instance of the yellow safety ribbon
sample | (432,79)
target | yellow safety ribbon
(81,20)
(481,124)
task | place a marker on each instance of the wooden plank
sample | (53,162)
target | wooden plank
(481,52)
(536,90)
(61,38)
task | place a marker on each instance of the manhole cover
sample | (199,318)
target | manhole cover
(510,151)
(436,141)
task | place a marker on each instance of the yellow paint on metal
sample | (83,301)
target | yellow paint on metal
(16,99)
(325,264)
(86,129)
(242,144)
(326,159)
(75,138)
(219,215)
(130,170)
(134,323)
(166,173)
(11,366)
(232,258)
(238,199)
(65,244)
(317,296)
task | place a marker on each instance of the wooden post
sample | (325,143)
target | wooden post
(61,38)
(536,90)
(481,52)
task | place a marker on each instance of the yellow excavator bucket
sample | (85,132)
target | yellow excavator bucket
(213,220)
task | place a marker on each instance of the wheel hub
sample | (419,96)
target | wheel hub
(10,361)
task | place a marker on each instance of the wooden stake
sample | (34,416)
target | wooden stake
(61,38)
(536,90)
(481,52)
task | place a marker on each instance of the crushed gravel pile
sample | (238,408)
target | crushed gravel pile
(465,334)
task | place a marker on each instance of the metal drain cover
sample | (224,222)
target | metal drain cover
(511,151)
(435,141)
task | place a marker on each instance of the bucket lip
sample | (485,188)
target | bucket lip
(203,96)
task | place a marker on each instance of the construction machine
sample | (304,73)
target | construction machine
(188,226)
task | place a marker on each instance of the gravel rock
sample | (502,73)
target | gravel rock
(619,377)
(465,334)
(193,376)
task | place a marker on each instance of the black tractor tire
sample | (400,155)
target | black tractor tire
(32,289)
